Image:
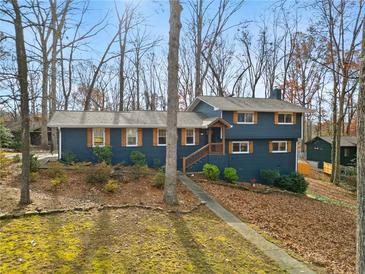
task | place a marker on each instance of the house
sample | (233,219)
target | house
(319,150)
(249,134)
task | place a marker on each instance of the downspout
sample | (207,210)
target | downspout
(59,143)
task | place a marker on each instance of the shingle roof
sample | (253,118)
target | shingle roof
(140,119)
(346,141)
(247,104)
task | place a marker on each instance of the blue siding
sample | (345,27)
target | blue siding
(74,140)
(264,129)
(248,166)
(206,109)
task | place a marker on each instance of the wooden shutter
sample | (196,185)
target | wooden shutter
(255,117)
(294,117)
(140,137)
(155,136)
(197,136)
(289,146)
(230,147)
(270,146)
(183,136)
(89,137)
(251,147)
(107,137)
(276,118)
(235,117)
(124,137)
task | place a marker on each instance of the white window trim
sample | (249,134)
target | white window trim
(186,137)
(103,145)
(285,113)
(280,151)
(247,123)
(126,137)
(241,152)
(158,137)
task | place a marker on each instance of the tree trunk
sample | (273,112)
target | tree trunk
(44,130)
(198,49)
(360,258)
(24,103)
(170,196)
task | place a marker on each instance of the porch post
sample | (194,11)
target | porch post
(224,139)
(209,137)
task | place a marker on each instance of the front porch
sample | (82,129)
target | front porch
(215,146)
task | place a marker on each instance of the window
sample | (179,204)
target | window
(132,136)
(190,136)
(241,147)
(161,137)
(98,137)
(346,152)
(279,146)
(245,118)
(285,118)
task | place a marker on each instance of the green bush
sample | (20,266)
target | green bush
(56,169)
(211,171)
(138,158)
(33,176)
(17,159)
(294,182)
(138,171)
(16,143)
(6,137)
(34,163)
(103,154)
(69,158)
(99,173)
(269,175)
(230,174)
(111,186)
(56,182)
(159,180)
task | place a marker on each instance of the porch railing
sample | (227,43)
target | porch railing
(211,148)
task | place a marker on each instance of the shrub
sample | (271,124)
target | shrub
(111,186)
(4,164)
(230,174)
(33,176)
(103,154)
(211,171)
(56,182)
(138,171)
(69,158)
(159,180)
(6,138)
(294,182)
(100,173)
(34,163)
(17,140)
(156,163)
(56,169)
(138,158)
(269,175)
(17,159)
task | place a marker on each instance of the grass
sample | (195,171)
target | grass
(328,200)
(127,241)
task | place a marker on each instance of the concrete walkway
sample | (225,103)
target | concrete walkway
(269,249)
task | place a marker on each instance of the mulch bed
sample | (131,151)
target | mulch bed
(321,233)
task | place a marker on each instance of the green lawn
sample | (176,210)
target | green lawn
(127,241)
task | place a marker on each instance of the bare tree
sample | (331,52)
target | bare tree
(23,83)
(360,258)
(170,196)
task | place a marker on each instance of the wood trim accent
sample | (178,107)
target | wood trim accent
(140,137)
(289,146)
(155,136)
(251,147)
(230,147)
(107,137)
(294,118)
(124,137)
(270,146)
(276,118)
(197,136)
(183,137)
(89,137)
(235,117)
(255,118)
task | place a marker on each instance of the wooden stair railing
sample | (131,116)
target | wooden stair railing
(211,148)
(195,156)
